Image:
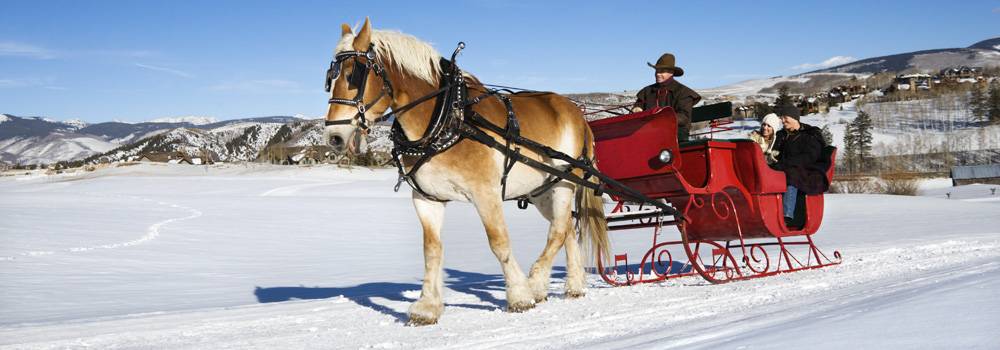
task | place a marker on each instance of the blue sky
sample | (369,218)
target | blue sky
(139,60)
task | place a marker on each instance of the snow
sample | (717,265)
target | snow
(984,193)
(44,119)
(196,120)
(55,147)
(751,88)
(746,88)
(259,256)
(76,123)
(4,117)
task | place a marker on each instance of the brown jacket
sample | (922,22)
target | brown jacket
(673,94)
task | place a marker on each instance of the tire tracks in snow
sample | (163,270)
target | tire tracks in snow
(152,232)
(290,190)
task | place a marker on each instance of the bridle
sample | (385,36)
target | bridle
(359,77)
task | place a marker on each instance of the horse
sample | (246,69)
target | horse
(406,69)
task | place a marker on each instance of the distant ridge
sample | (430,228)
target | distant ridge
(982,54)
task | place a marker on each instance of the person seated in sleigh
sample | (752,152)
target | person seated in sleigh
(800,148)
(765,137)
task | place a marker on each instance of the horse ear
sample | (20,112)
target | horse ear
(345,30)
(364,37)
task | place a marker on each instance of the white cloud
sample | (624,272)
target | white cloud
(830,62)
(25,82)
(165,70)
(136,54)
(259,86)
(10,48)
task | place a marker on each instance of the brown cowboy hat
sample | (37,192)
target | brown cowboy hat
(666,62)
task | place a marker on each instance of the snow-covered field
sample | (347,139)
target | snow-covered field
(254,256)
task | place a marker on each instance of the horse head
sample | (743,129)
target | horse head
(359,89)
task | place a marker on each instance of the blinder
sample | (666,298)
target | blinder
(357,80)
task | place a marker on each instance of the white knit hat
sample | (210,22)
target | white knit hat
(772,120)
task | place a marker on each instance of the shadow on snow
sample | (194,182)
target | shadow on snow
(480,285)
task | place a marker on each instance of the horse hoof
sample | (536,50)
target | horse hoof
(417,321)
(539,300)
(574,294)
(520,307)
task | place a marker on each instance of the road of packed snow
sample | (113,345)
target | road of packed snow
(254,256)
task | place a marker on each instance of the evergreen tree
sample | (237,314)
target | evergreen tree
(850,147)
(862,138)
(827,135)
(783,97)
(993,103)
(978,104)
(760,109)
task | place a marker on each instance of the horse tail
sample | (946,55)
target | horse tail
(590,210)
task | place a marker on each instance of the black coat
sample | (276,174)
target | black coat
(673,94)
(801,158)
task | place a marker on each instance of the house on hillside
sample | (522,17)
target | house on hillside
(975,174)
(177,157)
(744,111)
(156,157)
(962,74)
(283,155)
(913,82)
(180,161)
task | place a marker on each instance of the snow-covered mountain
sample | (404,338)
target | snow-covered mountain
(985,53)
(32,140)
(38,140)
(229,141)
(196,120)
(52,148)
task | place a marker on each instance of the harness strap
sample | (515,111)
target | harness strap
(606,185)
(513,130)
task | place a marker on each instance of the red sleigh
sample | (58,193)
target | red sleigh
(734,225)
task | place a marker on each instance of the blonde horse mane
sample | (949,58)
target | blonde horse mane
(420,60)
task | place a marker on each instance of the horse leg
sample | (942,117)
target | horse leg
(575,277)
(556,206)
(429,307)
(490,209)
